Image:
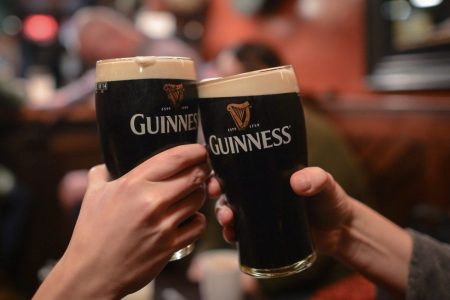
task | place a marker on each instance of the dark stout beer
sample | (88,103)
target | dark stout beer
(144,105)
(254,127)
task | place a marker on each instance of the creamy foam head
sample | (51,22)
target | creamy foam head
(145,67)
(276,80)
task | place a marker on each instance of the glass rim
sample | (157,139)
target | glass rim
(131,58)
(243,75)
(269,81)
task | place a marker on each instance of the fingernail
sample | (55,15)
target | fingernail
(303,184)
(220,215)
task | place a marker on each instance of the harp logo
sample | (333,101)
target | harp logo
(175,94)
(240,114)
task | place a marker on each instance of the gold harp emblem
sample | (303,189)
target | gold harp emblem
(175,93)
(240,114)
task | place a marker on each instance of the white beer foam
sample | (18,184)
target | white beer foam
(145,67)
(271,81)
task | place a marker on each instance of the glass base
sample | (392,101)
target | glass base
(182,252)
(283,271)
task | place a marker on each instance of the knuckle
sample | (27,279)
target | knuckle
(166,239)
(199,221)
(154,202)
(158,159)
(93,170)
(177,160)
(166,227)
(126,182)
(202,221)
(150,209)
(329,180)
(200,197)
(201,150)
(198,176)
(158,196)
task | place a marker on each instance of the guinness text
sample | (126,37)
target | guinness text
(141,124)
(250,141)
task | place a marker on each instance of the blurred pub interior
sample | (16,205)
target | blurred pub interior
(379,70)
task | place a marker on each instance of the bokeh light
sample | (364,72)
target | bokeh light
(40,28)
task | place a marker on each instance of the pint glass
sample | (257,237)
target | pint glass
(254,127)
(144,105)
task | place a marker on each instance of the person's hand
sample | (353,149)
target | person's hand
(128,228)
(329,208)
(348,230)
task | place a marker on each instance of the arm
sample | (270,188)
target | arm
(128,228)
(353,233)
(377,248)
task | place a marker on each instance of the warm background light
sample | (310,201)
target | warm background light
(40,28)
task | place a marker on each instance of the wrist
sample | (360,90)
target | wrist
(337,239)
(349,235)
(71,279)
(376,247)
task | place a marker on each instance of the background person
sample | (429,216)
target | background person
(98,32)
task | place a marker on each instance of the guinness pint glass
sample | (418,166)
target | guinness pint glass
(254,127)
(144,105)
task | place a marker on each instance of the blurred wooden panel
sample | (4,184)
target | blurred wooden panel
(404,144)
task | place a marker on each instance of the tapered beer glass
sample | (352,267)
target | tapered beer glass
(254,127)
(144,105)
